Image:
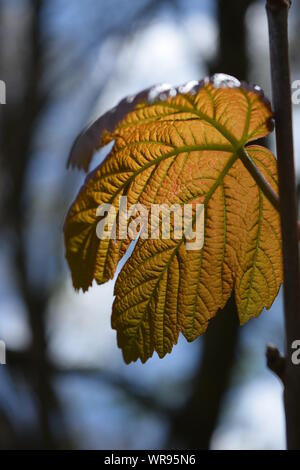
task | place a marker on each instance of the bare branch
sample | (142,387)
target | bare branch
(277,11)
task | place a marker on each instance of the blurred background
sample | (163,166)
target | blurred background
(65,384)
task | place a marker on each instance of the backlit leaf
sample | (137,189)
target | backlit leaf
(180,146)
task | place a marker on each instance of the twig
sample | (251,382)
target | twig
(277,11)
(276,362)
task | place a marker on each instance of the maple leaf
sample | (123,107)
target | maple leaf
(180,146)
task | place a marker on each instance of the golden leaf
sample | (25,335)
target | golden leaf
(181,146)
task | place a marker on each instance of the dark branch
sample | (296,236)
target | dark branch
(276,362)
(277,12)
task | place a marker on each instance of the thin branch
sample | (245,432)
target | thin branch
(26,362)
(133,392)
(277,11)
(276,362)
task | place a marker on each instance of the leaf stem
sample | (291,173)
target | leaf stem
(277,12)
(259,178)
